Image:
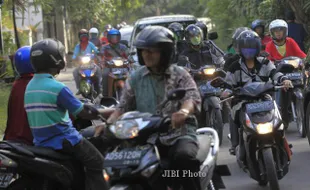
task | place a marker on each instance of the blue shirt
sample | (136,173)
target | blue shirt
(47,103)
(89,49)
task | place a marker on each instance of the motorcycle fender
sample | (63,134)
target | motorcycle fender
(120,187)
(212,101)
(298,93)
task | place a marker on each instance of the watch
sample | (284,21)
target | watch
(184,111)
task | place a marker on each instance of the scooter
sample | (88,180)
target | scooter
(136,162)
(263,150)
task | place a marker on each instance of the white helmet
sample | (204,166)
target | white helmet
(94,31)
(278,23)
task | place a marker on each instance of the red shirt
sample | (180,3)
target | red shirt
(292,49)
(104,41)
(17,128)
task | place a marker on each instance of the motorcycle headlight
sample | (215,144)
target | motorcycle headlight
(85,60)
(126,129)
(264,128)
(82,74)
(93,72)
(149,170)
(118,63)
(209,71)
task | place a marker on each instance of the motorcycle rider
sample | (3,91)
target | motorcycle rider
(113,49)
(50,125)
(249,68)
(146,89)
(282,46)
(178,31)
(18,129)
(104,39)
(94,38)
(258,26)
(85,47)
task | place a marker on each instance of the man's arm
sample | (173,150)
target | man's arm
(76,52)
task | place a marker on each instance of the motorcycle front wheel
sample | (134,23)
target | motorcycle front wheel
(214,119)
(270,169)
(300,118)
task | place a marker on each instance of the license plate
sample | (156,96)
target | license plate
(259,107)
(5,179)
(118,71)
(294,76)
(123,158)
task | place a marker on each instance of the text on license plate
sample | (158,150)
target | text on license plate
(5,179)
(293,75)
(124,155)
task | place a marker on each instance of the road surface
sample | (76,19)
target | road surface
(298,177)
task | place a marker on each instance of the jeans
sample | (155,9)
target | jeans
(92,160)
(105,83)
(182,157)
(97,77)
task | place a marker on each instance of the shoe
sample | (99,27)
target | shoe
(232,150)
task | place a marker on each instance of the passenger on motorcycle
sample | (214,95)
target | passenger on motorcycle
(147,88)
(94,38)
(282,46)
(113,49)
(17,128)
(258,26)
(198,51)
(85,47)
(48,102)
(249,68)
(104,39)
(178,31)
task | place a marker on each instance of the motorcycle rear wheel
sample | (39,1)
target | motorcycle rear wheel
(270,169)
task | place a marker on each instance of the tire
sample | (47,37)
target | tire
(22,184)
(300,118)
(215,121)
(270,169)
(307,125)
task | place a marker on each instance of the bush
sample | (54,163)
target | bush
(4,97)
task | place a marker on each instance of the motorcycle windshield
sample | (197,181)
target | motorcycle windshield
(255,89)
(289,64)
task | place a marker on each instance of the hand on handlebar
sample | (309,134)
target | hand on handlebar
(178,119)
(287,84)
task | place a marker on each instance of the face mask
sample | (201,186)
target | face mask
(248,53)
(196,40)
(84,38)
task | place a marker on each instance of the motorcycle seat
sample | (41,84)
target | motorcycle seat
(47,152)
(204,147)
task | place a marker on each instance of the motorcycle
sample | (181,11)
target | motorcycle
(39,168)
(262,150)
(119,70)
(293,100)
(211,102)
(87,70)
(136,163)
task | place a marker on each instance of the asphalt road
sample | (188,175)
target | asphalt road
(298,177)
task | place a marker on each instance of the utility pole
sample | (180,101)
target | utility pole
(1,38)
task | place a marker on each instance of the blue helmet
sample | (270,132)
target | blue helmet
(114,33)
(22,60)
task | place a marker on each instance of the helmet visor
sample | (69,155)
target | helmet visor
(195,40)
(248,53)
(93,35)
(114,39)
(278,33)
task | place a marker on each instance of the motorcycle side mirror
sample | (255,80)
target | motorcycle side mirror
(213,36)
(176,94)
(220,73)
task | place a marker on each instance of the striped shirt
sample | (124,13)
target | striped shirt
(47,103)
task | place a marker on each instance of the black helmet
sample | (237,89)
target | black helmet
(258,23)
(193,35)
(47,54)
(83,32)
(236,35)
(204,29)
(156,37)
(249,44)
(177,29)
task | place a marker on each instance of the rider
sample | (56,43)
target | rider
(282,46)
(18,129)
(198,51)
(47,103)
(94,38)
(85,47)
(104,39)
(178,31)
(249,68)
(147,88)
(258,26)
(113,49)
